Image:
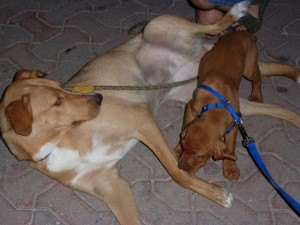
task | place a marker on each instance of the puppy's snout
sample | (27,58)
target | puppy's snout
(98,98)
(183,165)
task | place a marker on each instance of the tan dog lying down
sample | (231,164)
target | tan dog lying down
(222,68)
(80,146)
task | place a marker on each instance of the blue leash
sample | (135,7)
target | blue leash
(249,144)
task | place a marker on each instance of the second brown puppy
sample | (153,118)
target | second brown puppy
(222,68)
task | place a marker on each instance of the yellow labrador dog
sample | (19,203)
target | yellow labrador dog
(77,139)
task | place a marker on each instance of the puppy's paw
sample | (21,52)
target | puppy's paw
(254,98)
(239,10)
(230,170)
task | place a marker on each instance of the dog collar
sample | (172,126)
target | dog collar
(223,104)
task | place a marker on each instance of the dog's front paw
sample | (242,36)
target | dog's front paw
(239,10)
(228,201)
(230,170)
(221,196)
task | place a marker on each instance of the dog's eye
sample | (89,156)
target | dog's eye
(58,101)
(193,152)
(200,157)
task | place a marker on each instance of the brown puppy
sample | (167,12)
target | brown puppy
(222,68)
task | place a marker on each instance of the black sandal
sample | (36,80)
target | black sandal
(251,23)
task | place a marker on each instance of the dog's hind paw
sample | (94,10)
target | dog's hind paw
(239,10)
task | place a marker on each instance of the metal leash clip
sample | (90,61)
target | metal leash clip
(246,138)
(239,122)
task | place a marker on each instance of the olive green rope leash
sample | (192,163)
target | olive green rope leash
(93,88)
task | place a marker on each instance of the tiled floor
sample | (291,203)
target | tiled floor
(59,37)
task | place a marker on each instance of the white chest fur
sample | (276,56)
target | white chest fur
(100,155)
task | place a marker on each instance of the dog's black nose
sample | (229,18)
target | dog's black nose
(98,98)
(183,165)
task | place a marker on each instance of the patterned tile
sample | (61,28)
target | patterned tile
(59,37)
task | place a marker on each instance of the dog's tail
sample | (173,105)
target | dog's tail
(279,69)
(249,108)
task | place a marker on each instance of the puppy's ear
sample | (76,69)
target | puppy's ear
(20,115)
(183,133)
(26,74)
(219,153)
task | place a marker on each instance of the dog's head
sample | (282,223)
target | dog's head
(34,109)
(199,143)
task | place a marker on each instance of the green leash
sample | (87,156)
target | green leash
(93,88)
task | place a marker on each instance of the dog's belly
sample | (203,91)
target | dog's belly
(164,65)
(161,65)
(100,156)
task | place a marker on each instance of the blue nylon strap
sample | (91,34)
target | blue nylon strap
(224,104)
(212,106)
(215,93)
(259,162)
(248,143)
(230,128)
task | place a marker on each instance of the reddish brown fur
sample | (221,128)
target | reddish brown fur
(222,68)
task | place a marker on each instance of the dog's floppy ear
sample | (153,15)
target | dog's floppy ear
(26,74)
(219,153)
(183,133)
(20,115)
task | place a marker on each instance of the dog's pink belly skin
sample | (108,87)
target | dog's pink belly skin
(161,65)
